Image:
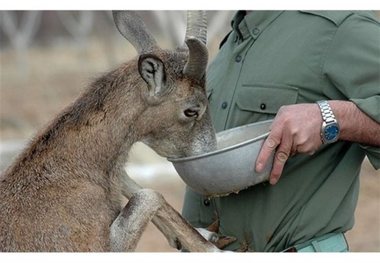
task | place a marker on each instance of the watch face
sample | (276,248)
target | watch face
(331,132)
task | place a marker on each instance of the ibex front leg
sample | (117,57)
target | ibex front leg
(176,229)
(128,227)
(179,232)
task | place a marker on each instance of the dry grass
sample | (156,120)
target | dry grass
(56,77)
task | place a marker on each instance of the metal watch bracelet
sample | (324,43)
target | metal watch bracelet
(330,128)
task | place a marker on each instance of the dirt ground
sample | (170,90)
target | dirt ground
(32,92)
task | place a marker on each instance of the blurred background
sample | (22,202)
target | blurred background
(48,57)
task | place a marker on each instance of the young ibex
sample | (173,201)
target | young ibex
(64,192)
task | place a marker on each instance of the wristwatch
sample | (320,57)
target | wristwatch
(330,127)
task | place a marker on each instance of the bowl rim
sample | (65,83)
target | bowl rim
(229,148)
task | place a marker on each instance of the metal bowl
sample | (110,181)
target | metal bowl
(231,167)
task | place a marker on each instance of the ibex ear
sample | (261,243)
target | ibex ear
(152,70)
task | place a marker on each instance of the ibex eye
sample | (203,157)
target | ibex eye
(191,113)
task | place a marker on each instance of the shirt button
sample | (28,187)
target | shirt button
(206,202)
(255,31)
(238,58)
(224,105)
(263,106)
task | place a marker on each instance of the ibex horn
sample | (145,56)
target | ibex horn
(131,26)
(197,25)
(195,39)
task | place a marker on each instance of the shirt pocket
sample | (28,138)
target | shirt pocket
(261,102)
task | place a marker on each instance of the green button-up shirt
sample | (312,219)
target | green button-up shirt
(278,58)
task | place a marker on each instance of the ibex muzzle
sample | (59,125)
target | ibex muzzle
(65,190)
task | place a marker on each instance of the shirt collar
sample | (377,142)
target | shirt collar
(253,23)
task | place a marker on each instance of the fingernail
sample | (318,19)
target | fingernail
(273,181)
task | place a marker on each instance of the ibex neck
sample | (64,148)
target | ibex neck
(96,132)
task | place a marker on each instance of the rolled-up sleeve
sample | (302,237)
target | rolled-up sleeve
(352,65)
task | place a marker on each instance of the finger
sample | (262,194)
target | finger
(281,156)
(269,146)
(224,241)
(278,166)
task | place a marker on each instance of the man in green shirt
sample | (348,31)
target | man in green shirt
(278,65)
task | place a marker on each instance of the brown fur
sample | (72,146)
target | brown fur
(63,192)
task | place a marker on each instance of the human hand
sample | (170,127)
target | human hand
(295,129)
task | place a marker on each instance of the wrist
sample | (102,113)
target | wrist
(330,129)
(344,113)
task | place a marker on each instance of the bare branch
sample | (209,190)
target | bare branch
(79,27)
(20,37)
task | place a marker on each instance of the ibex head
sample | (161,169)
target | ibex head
(172,85)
